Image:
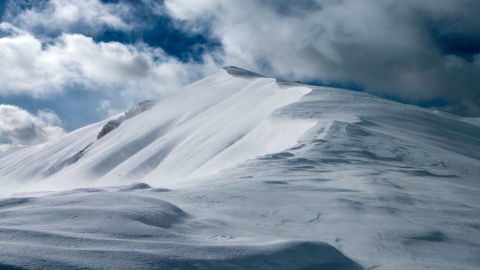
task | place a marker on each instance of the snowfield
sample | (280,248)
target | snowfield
(239,171)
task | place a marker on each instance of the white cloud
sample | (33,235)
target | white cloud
(186,10)
(106,107)
(69,15)
(18,127)
(386,47)
(126,72)
(25,67)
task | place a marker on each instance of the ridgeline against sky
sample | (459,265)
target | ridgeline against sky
(68,63)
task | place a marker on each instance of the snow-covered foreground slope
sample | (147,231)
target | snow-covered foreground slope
(246,172)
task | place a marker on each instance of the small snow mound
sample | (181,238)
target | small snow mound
(242,73)
(302,255)
(286,255)
(116,214)
(136,186)
(164,217)
(160,190)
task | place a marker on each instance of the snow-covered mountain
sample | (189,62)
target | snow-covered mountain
(242,171)
(207,126)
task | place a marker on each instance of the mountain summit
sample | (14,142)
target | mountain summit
(243,171)
(207,126)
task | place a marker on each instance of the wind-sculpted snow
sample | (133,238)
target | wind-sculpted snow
(245,172)
(93,228)
(199,130)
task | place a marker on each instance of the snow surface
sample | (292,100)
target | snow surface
(241,171)
(472,120)
(207,126)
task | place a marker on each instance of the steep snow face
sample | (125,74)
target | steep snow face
(249,172)
(205,127)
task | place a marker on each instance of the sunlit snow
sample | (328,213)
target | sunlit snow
(240,171)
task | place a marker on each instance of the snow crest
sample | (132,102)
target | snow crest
(199,130)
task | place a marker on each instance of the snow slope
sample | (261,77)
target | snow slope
(199,130)
(474,121)
(246,172)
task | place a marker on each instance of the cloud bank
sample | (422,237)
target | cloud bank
(415,50)
(74,60)
(18,127)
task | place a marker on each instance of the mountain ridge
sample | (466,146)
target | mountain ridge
(246,77)
(247,171)
(257,89)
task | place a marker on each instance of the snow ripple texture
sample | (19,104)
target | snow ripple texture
(239,171)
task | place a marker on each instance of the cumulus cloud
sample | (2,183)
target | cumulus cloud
(128,72)
(57,16)
(409,49)
(19,127)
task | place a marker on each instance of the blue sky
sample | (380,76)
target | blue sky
(67,63)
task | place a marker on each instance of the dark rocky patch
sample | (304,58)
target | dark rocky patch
(132,112)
